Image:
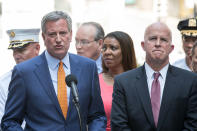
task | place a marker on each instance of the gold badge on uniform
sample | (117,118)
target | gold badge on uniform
(192,23)
(12,34)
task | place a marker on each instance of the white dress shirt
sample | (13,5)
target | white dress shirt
(150,78)
(182,64)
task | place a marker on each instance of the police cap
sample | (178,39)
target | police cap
(19,38)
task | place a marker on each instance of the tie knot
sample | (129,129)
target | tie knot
(156,75)
(61,63)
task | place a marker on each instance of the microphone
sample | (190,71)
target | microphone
(71,81)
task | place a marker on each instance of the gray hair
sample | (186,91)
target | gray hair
(99,30)
(54,16)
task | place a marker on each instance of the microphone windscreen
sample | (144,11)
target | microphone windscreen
(69,79)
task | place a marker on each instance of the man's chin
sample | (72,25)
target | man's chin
(159,60)
(195,70)
(188,54)
(19,61)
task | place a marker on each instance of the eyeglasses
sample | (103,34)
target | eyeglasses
(83,42)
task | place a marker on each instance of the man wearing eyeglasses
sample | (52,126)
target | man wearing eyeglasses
(188,29)
(89,41)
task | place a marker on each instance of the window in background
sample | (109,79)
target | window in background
(130,2)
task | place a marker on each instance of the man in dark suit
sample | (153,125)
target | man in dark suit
(156,96)
(38,92)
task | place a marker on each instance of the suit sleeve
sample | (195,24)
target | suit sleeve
(119,119)
(14,108)
(190,123)
(96,115)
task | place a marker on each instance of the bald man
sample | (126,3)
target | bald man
(156,96)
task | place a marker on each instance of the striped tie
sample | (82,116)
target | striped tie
(155,97)
(62,90)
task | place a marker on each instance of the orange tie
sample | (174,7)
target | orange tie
(62,90)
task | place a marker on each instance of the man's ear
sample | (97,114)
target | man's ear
(100,42)
(37,48)
(142,45)
(70,38)
(43,36)
(190,57)
(172,48)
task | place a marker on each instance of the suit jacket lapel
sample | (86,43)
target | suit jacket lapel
(168,94)
(74,71)
(42,72)
(142,89)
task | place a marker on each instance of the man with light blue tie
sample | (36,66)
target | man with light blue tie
(38,92)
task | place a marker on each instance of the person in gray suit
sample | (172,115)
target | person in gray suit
(156,96)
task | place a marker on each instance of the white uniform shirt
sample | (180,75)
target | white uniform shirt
(181,64)
(4,85)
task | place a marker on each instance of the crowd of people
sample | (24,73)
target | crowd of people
(113,92)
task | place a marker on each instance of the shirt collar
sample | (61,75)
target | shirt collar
(99,59)
(99,64)
(54,62)
(150,71)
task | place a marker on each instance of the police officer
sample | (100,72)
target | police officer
(193,58)
(25,45)
(188,29)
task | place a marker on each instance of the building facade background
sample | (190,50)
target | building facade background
(131,16)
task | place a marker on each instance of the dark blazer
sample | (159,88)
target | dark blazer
(32,97)
(131,105)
